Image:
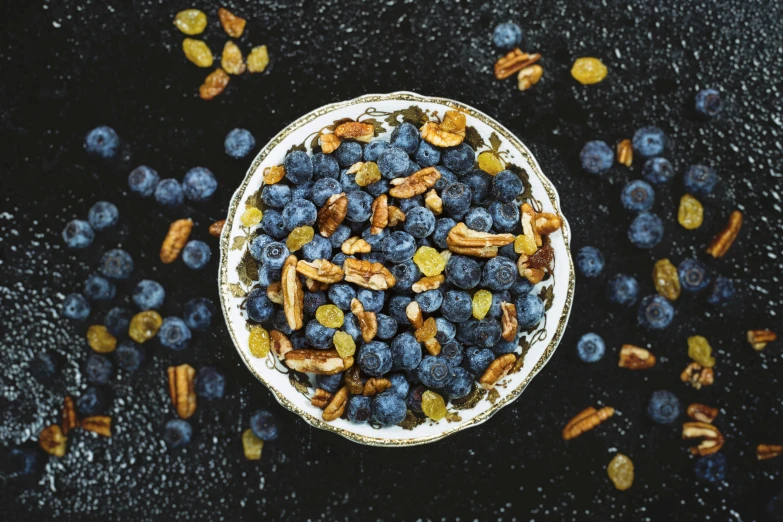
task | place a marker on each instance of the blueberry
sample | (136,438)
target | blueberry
(130,356)
(420,222)
(487,333)
(596,157)
(177,433)
(341,295)
(657,170)
(117,321)
(196,254)
(708,102)
(169,193)
(414,396)
(453,352)
(457,306)
(330,383)
(149,295)
(711,468)
(359,206)
(520,287)
(267,276)
(274,255)
(463,272)
(199,184)
(398,247)
(590,261)
(427,155)
(442,228)
(379,187)
(348,182)
(497,298)
(102,142)
(466,331)
(142,181)
(530,311)
(459,159)
(388,409)
(300,213)
(210,383)
(92,402)
(429,301)
(410,203)
(198,313)
(700,180)
(97,288)
(393,162)
(446,178)
(374,149)
(359,409)
(174,334)
(351,326)
(375,358)
(477,360)
(319,336)
(480,184)
(348,153)
(664,407)
(280,322)
(318,248)
(298,167)
(649,142)
(78,234)
(98,369)
(399,385)
(325,166)
(446,329)
(478,219)
(646,230)
(43,366)
(500,273)
(397,305)
(503,347)
(312,300)
(456,199)
(722,291)
(507,35)
(302,190)
(103,215)
(590,348)
(323,189)
(434,371)
(406,137)
(375,240)
(460,385)
(637,196)
(339,236)
(405,352)
(387,326)
(76,307)
(273,224)
(694,276)
(239,143)
(372,300)
(259,307)
(508,252)
(276,196)
(506,186)
(23,461)
(655,312)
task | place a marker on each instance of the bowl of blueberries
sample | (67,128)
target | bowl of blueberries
(395,268)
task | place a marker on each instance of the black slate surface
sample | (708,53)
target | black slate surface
(69,66)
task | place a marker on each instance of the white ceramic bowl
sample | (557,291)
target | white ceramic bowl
(237,266)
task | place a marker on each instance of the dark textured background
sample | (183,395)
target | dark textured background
(69,66)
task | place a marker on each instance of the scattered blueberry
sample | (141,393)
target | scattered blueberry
(196,254)
(637,196)
(457,306)
(341,294)
(664,407)
(506,186)
(480,184)
(530,311)
(596,157)
(198,313)
(239,143)
(453,352)
(477,360)
(479,219)
(419,222)
(646,230)
(117,321)
(657,170)
(505,216)
(372,300)
(169,193)
(359,206)
(325,166)
(722,292)
(130,356)
(405,352)
(174,334)
(435,371)
(387,326)
(622,289)
(348,153)
(374,149)
(319,336)
(507,35)
(149,295)
(43,366)
(323,189)
(258,306)
(92,402)
(655,312)
(649,142)
(330,383)
(142,181)
(590,348)
(98,369)
(23,461)
(486,333)
(273,224)
(264,425)
(78,234)
(359,409)
(700,180)
(276,196)
(177,433)
(102,142)
(97,288)
(459,159)
(103,215)
(711,468)
(499,274)
(590,261)
(429,301)
(76,307)
(210,383)
(427,155)
(694,276)
(393,162)
(709,102)
(463,272)
(460,385)
(398,247)
(300,213)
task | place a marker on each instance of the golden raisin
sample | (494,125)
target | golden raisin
(251,217)
(330,316)
(666,279)
(620,471)
(259,342)
(231,61)
(344,344)
(191,21)
(699,350)
(429,261)
(588,71)
(144,326)
(525,245)
(251,445)
(258,59)
(299,237)
(367,174)
(482,301)
(232,24)
(197,52)
(100,340)
(433,405)
(214,84)
(691,213)
(274,174)
(490,162)
(427,331)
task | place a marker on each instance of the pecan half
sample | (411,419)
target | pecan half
(320,270)
(529,76)
(336,406)
(625,153)
(374,276)
(417,183)
(355,130)
(697,376)
(182,390)
(448,133)
(702,412)
(527,216)
(70,419)
(509,321)
(323,362)
(758,339)
(496,370)
(396,216)
(293,294)
(320,398)
(232,24)
(712,439)
(380,214)
(52,440)
(534,275)
(174,242)
(433,202)
(768,451)
(722,242)
(432,346)
(332,214)
(514,62)
(635,358)
(279,343)
(274,174)
(368,321)
(428,283)
(274,292)
(355,245)
(413,312)
(462,237)
(375,385)
(329,143)
(216,228)
(586,420)
(100,424)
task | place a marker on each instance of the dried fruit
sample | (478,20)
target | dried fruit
(175,240)
(353,381)
(666,279)
(70,419)
(697,376)
(258,59)
(490,162)
(232,24)
(259,342)
(691,213)
(274,174)
(620,471)
(231,61)
(588,71)
(329,142)
(214,84)
(433,405)
(299,237)
(144,326)
(251,445)
(52,440)
(699,350)
(100,340)
(482,301)
(329,315)
(215,229)
(344,344)
(427,330)
(251,217)
(525,245)
(197,52)
(368,173)
(191,21)
(429,261)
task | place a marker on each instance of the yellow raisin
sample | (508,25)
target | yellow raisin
(525,245)
(691,213)
(197,52)
(231,61)
(274,174)
(259,343)
(482,301)
(588,71)
(620,471)
(144,326)
(666,279)
(367,174)
(699,350)
(330,316)
(258,59)
(251,445)
(214,84)
(299,237)
(191,21)
(344,344)
(429,261)
(490,162)
(433,405)
(251,217)
(100,340)
(427,331)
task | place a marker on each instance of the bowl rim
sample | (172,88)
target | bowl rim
(413,97)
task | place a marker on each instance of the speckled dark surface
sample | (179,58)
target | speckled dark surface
(69,66)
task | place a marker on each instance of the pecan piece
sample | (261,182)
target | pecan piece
(375,385)
(232,24)
(534,275)
(768,451)
(413,312)
(396,216)
(496,370)
(100,424)
(356,167)
(509,321)
(702,412)
(586,420)
(320,398)
(274,292)
(448,133)
(323,362)
(182,390)
(368,321)
(274,174)
(216,228)
(315,286)
(528,218)
(432,346)
(625,153)
(433,202)
(545,224)
(428,283)
(355,245)
(70,419)
(320,270)
(380,214)
(336,406)
(514,62)
(758,339)
(529,76)
(174,242)
(355,130)
(52,440)
(415,184)
(332,214)
(374,276)
(712,439)
(329,142)
(460,236)
(723,241)
(293,294)
(635,358)
(697,376)
(279,343)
